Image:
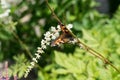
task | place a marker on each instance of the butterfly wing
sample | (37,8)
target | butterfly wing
(67,35)
(57,41)
(64,37)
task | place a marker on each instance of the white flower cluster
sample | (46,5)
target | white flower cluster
(48,36)
(5,9)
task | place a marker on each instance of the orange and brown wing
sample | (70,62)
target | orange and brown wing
(57,41)
(64,37)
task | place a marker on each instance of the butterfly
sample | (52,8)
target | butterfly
(65,36)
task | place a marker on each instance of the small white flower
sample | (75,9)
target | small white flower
(81,46)
(58,27)
(48,43)
(4,4)
(45,42)
(56,34)
(53,37)
(32,63)
(47,34)
(8,11)
(53,29)
(37,55)
(35,60)
(43,46)
(27,71)
(5,14)
(26,74)
(73,41)
(42,42)
(69,26)
(39,50)
(47,38)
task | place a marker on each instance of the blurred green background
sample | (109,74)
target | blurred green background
(96,25)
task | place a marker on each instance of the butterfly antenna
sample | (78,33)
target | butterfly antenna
(55,16)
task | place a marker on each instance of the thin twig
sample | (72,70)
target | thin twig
(54,15)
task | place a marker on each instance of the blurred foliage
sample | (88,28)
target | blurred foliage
(20,66)
(31,19)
